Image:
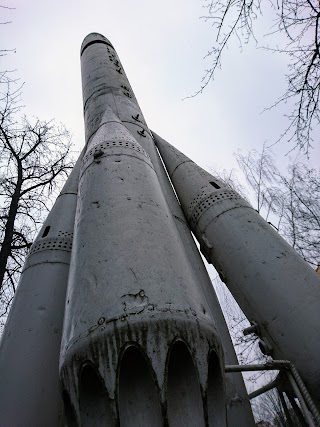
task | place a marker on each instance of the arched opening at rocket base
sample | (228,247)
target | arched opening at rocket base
(184,399)
(68,410)
(95,408)
(139,401)
(216,402)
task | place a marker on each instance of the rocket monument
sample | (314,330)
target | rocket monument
(144,341)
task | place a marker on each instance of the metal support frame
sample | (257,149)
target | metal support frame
(286,409)
(263,389)
(297,411)
(307,405)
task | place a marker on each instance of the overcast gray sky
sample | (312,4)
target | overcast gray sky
(161,45)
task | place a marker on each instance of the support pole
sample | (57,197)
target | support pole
(263,389)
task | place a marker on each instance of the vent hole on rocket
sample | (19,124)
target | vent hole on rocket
(46,231)
(215,185)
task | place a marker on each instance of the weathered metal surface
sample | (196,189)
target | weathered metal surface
(108,87)
(137,323)
(30,345)
(129,283)
(239,411)
(272,284)
(238,406)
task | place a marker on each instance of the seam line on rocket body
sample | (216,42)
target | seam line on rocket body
(115,103)
(101,91)
(68,193)
(141,125)
(195,215)
(186,161)
(112,121)
(96,42)
(117,143)
(47,262)
(213,219)
(84,168)
(100,125)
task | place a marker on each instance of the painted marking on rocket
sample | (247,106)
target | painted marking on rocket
(136,118)
(141,132)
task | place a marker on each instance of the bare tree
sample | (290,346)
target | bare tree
(269,407)
(4,52)
(301,211)
(290,202)
(298,21)
(246,346)
(34,155)
(275,407)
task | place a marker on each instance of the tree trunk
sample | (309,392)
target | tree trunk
(9,227)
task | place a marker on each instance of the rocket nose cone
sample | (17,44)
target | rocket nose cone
(71,185)
(94,38)
(171,156)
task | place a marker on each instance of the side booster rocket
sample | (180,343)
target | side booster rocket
(277,290)
(140,342)
(30,345)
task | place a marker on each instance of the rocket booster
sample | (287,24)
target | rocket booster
(140,345)
(30,345)
(273,285)
(239,411)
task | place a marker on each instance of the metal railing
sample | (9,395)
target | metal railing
(307,406)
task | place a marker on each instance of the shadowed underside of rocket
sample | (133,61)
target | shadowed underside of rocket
(144,340)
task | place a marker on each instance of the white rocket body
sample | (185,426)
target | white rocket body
(105,83)
(140,344)
(272,284)
(143,328)
(239,411)
(30,345)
